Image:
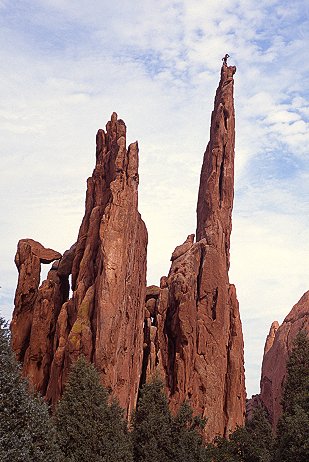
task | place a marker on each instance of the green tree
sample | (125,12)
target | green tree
(89,429)
(152,425)
(251,443)
(26,430)
(254,441)
(296,387)
(187,436)
(160,437)
(292,443)
(222,450)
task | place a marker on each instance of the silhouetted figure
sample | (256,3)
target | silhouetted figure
(225,59)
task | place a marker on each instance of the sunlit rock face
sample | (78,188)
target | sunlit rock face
(188,330)
(193,332)
(104,318)
(278,345)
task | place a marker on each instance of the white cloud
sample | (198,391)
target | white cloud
(157,64)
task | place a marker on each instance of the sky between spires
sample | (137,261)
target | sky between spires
(67,65)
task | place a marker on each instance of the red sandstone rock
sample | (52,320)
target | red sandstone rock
(39,354)
(271,336)
(29,256)
(198,343)
(216,192)
(151,352)
(183,248)
(104,319)
(278,345)
(188,329)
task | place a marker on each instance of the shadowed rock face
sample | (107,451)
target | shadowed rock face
(278,345)
(193,331)
(189,329)
(104,318)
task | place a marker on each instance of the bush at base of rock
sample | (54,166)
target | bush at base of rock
(292,444)
(89,429)
(160,437)
(26,432)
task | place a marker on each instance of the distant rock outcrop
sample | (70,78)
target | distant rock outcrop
(188,330)
(193,332)
(278,345)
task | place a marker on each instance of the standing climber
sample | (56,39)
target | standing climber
(225,59)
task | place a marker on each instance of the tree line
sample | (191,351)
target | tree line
(88,426)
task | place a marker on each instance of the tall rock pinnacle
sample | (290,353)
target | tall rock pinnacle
(193,330)
(104,318)
(216,191)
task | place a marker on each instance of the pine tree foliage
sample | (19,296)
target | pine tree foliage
(160,437)
(187,435)
(255,441)
(296,387)
(292,443)
(26,432)
(251,443)
(89,429)
(152,425)
(222,450)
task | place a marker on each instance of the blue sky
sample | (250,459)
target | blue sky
(67,65)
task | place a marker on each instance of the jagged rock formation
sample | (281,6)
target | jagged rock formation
(33,310)
(104,318)
(193,331)
(271,336)
(278,345)
(188,330)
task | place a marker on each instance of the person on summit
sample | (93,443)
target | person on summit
(225,59)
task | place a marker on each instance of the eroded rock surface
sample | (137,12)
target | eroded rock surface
(188,330)
(193,328)
(29,256)
(278,345)
(104,318)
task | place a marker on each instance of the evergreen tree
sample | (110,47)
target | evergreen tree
(222,450)
(251,443)
(292,444)
(26,431)
(152,425)
(254,441)
(296,387)
(187,438)
(160,437)
(90,430)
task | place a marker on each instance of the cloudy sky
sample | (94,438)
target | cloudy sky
(66,65)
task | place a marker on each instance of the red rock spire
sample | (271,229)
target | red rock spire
(216,191)
(104,318)
(193,329)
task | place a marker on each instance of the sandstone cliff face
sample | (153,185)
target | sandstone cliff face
(104,318)
(29,256)
(193,330)
(278,345)
(188,330)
